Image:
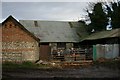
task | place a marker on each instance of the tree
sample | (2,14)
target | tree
(114,14)
(98,18)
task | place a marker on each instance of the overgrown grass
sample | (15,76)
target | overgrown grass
(27,65)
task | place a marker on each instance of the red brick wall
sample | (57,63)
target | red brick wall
(11,32)
(15,41)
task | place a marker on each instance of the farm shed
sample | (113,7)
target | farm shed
(55,36)
(106,44)
(18,44)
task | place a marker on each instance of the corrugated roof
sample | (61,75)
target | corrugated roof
(104,34)
(55,31)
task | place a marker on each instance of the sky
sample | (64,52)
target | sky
(59,11)
(64,10)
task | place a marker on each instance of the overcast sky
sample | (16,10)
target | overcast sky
(44,10)
(57,11)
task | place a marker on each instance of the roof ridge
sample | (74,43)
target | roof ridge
(45,20)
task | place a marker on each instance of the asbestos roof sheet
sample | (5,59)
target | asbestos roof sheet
(104,34)
(55,31)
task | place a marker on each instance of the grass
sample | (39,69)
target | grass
(113,64)
(27,65)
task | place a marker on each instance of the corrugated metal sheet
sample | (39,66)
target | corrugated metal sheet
(108,51)
(104,34)
(55,31)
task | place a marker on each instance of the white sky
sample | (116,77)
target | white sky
(48,0)
(57,10)
(44,10)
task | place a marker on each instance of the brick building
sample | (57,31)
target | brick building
(18,44)
(20,40)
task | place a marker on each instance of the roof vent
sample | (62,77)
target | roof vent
(70,24)
(36,23)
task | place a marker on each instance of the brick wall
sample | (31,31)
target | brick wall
(17,44)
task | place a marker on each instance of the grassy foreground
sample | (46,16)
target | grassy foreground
(27,65)
(113,64)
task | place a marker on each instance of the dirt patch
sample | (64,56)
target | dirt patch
(96,70)
(89,72)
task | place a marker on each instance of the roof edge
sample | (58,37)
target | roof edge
(21,26)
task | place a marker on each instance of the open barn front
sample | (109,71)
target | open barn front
(71,52)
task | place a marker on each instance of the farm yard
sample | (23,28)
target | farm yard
(36,44)
(57,50)
(27,70)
